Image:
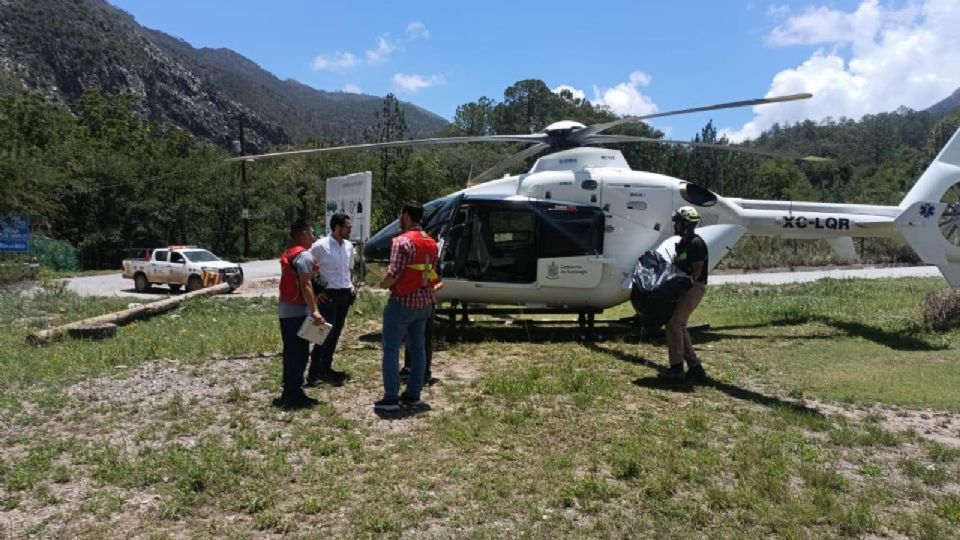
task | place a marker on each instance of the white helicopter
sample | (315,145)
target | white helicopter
(566,235)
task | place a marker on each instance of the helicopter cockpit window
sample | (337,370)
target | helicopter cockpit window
(697,195)
(570,231)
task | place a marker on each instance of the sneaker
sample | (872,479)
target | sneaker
(696,373)
(387,405)
(412,403)
(672,374)
(404,374)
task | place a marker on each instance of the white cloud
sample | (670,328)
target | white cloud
(417,30)
(383,50)
(378,55)
(413,82)
(339,60)
(626,98)
(577,93)
(351,89)
(870,60)
(778,11)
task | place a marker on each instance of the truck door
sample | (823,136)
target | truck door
(159,266)
(177,268)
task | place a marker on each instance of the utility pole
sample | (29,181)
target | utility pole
(245,212)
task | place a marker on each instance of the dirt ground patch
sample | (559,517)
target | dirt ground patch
(939,426)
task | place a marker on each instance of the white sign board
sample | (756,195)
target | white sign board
(351,195)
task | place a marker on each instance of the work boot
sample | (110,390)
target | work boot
(333,377)
(696,373)
(672,374)
(295,401)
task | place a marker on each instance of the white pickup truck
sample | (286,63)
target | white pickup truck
(177,266)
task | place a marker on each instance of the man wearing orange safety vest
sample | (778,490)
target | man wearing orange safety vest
(297,302)
(411,278)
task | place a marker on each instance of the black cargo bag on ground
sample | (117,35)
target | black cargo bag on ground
(657,285)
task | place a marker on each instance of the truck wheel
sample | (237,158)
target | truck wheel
(175,287)
(194,284)
(140,283)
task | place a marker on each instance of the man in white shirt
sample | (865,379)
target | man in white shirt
(334,294)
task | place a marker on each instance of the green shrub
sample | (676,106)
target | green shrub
(941,310)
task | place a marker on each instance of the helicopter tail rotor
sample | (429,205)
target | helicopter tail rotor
(930,216)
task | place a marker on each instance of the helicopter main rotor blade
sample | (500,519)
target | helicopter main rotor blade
(582,135)
(496,170)
(532,138)
(617,139)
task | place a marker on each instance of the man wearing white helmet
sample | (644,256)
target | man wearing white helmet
(692,258)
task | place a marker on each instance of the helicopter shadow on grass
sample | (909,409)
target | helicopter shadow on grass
(519,331)
(899,341)
(514,330)
(731,390)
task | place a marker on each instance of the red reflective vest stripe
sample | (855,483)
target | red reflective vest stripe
(418,273)
(289,288)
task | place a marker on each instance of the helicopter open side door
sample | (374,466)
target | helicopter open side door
(570,245)
(523,241)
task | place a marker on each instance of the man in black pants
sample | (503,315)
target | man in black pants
(334,253)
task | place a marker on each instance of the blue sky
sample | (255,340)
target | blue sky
(856,56)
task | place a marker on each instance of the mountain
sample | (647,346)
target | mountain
(67,47)
(946,105)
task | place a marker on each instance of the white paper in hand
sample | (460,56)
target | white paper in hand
(313,333)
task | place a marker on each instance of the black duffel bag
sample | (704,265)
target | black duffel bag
(657,285)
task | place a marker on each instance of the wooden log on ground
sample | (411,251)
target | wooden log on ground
(93,331)
(122,317)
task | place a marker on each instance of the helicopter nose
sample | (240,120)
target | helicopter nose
(377,249)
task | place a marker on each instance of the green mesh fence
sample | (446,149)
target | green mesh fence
(57,255)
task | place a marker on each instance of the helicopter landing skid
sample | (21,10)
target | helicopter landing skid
(635,320)
(586,318)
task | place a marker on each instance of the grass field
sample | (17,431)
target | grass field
(830,413)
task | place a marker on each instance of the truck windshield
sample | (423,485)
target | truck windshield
(200,255)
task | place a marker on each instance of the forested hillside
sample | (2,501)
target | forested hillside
(104,179)
(64,48)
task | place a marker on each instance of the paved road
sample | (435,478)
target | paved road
(115,285)
(778,278)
